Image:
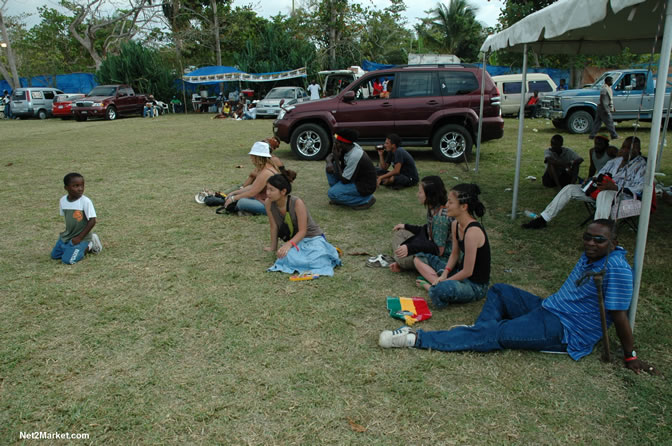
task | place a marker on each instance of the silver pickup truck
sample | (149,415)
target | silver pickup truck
(574,110)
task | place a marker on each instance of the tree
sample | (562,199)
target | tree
(385,37)
(453,29)
(278,47)
(335,27)
(91,19)
(13,79)
(141,67)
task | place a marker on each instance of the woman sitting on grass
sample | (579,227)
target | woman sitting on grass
(251,198)
(305,248)
(273,144)
(451,282)
(431,238)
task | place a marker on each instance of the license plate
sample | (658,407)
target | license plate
(84,112)
(60,107)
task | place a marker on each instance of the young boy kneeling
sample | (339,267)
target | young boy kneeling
(80,218)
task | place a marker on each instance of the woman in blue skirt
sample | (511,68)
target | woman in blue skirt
(305,248)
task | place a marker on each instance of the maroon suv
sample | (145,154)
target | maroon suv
(426,105)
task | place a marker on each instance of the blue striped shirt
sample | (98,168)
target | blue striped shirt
(578,308)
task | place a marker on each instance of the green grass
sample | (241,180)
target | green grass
(176,334)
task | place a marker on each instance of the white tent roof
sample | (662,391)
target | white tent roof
(584,27)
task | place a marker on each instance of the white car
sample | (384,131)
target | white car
(270,105)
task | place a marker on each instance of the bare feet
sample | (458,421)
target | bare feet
(395,268)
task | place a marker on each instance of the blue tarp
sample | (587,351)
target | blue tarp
(367,65)
(68,83)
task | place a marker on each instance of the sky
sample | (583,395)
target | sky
(487,13)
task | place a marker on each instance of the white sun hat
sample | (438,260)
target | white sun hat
(261,149)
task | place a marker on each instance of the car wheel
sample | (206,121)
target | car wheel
(42,114)
(580,122)
(80,118)
(310,142)
(560,124)
(452,143)
(111,113)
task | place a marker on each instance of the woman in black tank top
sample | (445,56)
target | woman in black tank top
(454,281)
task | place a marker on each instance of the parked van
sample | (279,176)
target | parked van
(33,101)
(509,86)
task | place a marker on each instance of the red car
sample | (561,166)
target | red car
(62,106)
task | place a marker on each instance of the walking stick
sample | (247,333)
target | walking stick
(606,355)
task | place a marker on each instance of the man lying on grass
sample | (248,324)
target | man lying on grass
(567,321)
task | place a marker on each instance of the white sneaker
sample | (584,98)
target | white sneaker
(94,245)
(399,338)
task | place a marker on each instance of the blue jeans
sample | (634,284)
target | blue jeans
(69,253)
(510,319)
(251,205)
(452,291)
(345,194)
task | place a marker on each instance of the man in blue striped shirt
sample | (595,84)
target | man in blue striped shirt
(567,321)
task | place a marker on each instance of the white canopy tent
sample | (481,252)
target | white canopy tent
(598,27)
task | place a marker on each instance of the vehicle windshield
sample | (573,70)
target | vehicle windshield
(103,91)
(280,94)
(614,76)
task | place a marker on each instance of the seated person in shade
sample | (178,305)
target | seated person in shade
(600,154)
(532,105)
(431,238)
(403,173)
(566,321)
(627,171)
(350,172)
(251,112)
(562,164)
(305,248)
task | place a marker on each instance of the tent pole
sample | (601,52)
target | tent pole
(647,195)
(480,115)
(521,123)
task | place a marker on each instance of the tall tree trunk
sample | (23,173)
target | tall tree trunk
(332,35)
(215,30)
(13,80)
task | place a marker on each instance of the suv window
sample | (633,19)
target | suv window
(413,85)
(374,88)
(540,86)
(19,95)
(455,83)
(36,95)
(49,94)
(511,87)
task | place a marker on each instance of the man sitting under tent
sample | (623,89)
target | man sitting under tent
(627,173)
(567,321)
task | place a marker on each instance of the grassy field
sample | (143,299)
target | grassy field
(176,334)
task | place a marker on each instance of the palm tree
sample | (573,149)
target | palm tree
(452,29)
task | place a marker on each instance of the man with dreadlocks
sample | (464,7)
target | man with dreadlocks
(566,321)
(627,172)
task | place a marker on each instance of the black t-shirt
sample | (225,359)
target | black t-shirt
(408,168)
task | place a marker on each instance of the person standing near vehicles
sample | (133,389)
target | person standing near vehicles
(604,110)
(6,98)
(314,90)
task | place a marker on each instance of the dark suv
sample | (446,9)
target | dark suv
(426,105)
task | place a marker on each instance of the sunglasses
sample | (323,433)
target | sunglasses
(596,238)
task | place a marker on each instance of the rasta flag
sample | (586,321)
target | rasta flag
(408,309)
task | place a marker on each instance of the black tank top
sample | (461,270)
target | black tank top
(481,273)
